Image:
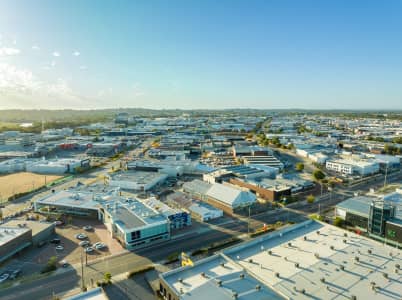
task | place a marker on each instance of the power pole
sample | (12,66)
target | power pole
(82,273)
(248,222)
(386,173)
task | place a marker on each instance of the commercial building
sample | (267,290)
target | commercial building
(69,202)
(134,224)
(200,211)
(13,240)
(58,166)
(310,260)
(266,160)
(272,192)
(353,167)
(378,217)
(178,218)
(136,180)
(41,231)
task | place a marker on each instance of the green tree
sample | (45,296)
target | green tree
(318,175)
(339,222)
(299,167)
(310,199)
(107,277)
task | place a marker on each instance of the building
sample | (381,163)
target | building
(134,224)
(178,218)
(136,180)
(310,260)
(200,211)
(353,167)
(13,240)
(58,166)
(197,189)
(266,160)
(41,231)
(274,192)
(229,198)
(94,294)
(69,202)
(379,217)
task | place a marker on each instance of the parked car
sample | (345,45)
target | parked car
(84,243)
(55,241)
(58,223)
(15,274)
(59,248)
(81,236)
(4,277)
(89,249)
(100,246)
(64,263)
(87,227)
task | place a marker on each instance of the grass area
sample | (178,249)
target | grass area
(316,217)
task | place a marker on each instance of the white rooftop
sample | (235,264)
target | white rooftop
(231,196)
(7,233)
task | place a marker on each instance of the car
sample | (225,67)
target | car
(81,236)
(87,227)
(55,241)
(89,249)
(58,223)
(64,263)
(4,277)
(100,246)
(84,243)
(59,248)
(15,274)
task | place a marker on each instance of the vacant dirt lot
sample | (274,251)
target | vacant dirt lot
(23,182)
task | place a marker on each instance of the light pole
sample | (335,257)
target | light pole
(386,173)
(248,222)
(82,274)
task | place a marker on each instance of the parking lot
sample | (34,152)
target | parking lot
(72,251)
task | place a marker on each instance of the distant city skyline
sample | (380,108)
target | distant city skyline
(181,54)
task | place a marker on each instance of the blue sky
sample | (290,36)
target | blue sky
(201,54)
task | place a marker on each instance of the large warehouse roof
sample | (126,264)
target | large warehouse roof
(309,260)
(231,196)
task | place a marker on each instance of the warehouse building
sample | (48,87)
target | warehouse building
(310,260)
(134,224)
(200,211)
(69,202)
(41,231)
(229,198)
(58,166)
(136,180)
(13,240)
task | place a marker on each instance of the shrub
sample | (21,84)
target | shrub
(310,199)
(318,175)
(299,167)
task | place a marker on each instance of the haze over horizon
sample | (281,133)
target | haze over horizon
(200,55)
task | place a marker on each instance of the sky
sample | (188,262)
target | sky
(189,54)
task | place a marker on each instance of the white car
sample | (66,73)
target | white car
(81,236)
(87,227)
(89,249)
(84,243)
(99,245)
(60,248)
(4,277)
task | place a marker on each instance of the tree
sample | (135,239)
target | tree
(338,222)
(310,199)
(299,167)
(107,277)
(318,175)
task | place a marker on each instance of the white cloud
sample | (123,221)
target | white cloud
(35,47)
(21,88)
(53,63)
(56,54)
(83,67)
(5,51)
(76,53)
